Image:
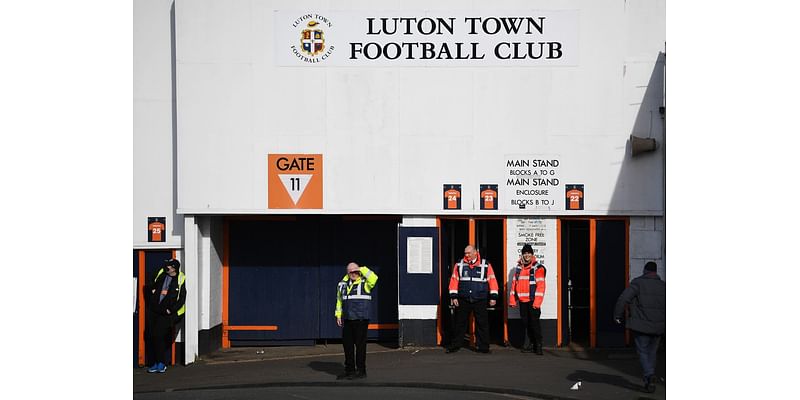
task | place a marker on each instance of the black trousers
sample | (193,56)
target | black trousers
(158,337)
(530,320)
(478,308)
(354,339)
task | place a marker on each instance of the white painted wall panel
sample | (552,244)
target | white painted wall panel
(421,222)
(416,312)
(647,243)
(153,151)
(210,271)
(204,270)
(215,284)
(391,136)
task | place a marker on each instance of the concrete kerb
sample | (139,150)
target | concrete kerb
(340,354)
(420,385)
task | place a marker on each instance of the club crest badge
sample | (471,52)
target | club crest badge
(312,40)
(313,45)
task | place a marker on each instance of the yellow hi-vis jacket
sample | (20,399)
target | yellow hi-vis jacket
(353,297)
(181,280)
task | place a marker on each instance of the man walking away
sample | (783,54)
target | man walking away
(646,298)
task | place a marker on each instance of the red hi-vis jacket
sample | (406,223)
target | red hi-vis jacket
(469,279)
(522,284)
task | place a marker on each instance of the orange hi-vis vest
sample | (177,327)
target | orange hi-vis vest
(522,284)
(473,280)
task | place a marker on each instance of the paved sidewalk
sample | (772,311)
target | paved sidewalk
(604,374)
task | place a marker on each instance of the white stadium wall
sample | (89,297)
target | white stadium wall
(154,165)
(391,133)
(222,86)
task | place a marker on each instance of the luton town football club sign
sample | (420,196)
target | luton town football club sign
(426,38)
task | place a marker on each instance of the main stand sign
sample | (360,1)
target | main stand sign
(294,181)
(531,182)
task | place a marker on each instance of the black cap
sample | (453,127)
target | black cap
(650,267)
(527,249)
(174,263)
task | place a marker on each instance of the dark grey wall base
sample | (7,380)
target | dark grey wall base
(209,340)
(549,332)
(417,332)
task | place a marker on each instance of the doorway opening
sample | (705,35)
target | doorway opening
(488,235)
(594,270)
(575,283)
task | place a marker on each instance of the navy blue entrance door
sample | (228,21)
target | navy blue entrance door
(283,273)
(273,280)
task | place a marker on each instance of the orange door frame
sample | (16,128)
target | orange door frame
(439,308)
(559,318)
(226,251)
(140,288)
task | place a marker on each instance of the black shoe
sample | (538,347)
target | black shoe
(538,350)
(346,375)
(452,349)
(528,349)
(360,375)
(484,351)
(650,384)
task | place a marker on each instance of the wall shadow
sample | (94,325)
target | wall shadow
(640,189)
(328,367)
(640,184)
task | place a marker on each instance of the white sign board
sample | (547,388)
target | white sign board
(135,291)
(419,255)
(532,182)
(540,233)
(426,38)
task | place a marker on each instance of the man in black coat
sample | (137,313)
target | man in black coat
(166,298)
(646,298)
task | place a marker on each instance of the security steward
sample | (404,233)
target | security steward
(527,290)
(166,298)
(353,300)
(471,285)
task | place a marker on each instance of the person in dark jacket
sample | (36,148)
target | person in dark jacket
(353,303)
(646,298)
(472,283)
(166,298)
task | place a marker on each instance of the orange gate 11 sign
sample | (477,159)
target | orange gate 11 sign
(294,181)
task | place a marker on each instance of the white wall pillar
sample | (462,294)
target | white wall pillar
(192,271)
